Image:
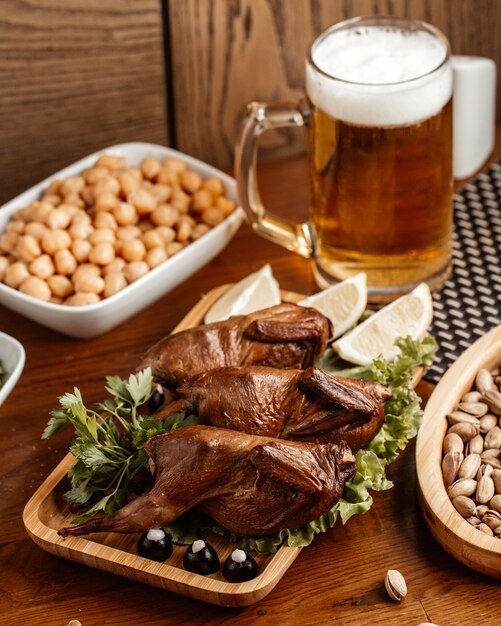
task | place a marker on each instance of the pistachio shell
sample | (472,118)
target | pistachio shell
(485,529)
(469,466)
(465,431)
(453,443)
(495,503)
(484,381)
(462,487)
(464,506)
(395,585)
(488,421)
(476,445)
(493,399)
(458,417)
(450,467)
(477,409)
(485,490)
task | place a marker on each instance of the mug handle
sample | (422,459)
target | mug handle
(263,116)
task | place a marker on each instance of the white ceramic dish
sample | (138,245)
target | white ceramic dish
(12,357)
(95,319)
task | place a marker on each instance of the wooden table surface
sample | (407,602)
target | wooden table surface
(337,580)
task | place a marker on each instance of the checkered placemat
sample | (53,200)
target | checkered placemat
(469,304)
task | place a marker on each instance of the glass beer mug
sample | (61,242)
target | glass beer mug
(378,113)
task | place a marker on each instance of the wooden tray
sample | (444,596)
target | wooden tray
(47,511)
(460,539)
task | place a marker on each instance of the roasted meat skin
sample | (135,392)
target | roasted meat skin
(308,405)
(283,336)
(250,485)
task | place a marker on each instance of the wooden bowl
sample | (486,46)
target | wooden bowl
(455,534)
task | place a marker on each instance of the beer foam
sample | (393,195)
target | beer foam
(378,76)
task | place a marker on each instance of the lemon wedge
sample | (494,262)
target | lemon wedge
(409,315)
(342,303)
(254,292)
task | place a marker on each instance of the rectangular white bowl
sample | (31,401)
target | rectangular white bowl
(12,357)
(95,319)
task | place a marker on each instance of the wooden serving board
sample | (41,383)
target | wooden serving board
(47,511)
(457,536)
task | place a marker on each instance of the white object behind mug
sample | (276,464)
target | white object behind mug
(474,113)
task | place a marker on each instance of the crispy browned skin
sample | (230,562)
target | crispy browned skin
(250,485)
(283,336)
(308,405)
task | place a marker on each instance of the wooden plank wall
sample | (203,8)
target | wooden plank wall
(76,76)
(226,53)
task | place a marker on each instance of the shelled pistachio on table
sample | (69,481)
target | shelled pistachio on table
(471,465)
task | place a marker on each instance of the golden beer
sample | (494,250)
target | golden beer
(382,199)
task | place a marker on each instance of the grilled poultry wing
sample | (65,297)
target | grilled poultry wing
(308,405)
(251,485)
(283,336)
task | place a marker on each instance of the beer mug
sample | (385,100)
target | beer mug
(378,113)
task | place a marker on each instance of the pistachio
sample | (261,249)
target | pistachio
(462,487)
(485,490)
(488,421)
(484,381)
(458,417)
(469,467)
(477,409)
(493,399)
(492,519)
(491,460)
(450,467)
(497,531)
(453,443)
(485,529)
(484,470)
(474,521)
(481,510)
(465,431)
(472,396)
(395,585)
(496,477)
(476,445)
(493,438)
(495,503)
(464,506)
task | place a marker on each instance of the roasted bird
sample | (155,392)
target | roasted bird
(308,405)
(251,485)
(283,336)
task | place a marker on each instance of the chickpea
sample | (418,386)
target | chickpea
(81,228)
(202,199)
(133,250)
(88,282)
(57,219)
(144,226)
(71,185)
(105,220)
(55,186)
(155,256)
(82,299)
(135,270)
(4,264)
(167,176)
(15,274)
(173,248)
(43,267)
(65,262)
(51,198)
(36,288)
(102,234)
(215,186)
(41,210)
(115,267)
(165,215)
(35,229)
(144,201)
(181,201)
(199,230)
(80,249)
(15,226)
(183,230)
(113,283)
(8,242)
(87,268)
(161,192)
(176,165)
(225,206)
(129,182)
(28,248)
(24,214)
(106,201)
(87,196)
(212,216)
(124,233)
(73,199)
(72,210)
(107,184)
(54,240)
(125,214)
(102,253)
(152,239)
(94,174)
(190,181)
(150,167)
(166,233)
(60,286)
(111,162)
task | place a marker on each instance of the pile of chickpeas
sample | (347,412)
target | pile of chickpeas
(91,235)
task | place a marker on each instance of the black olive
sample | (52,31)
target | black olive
(239,572)
(156,399)
(155,549)
(204,561)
